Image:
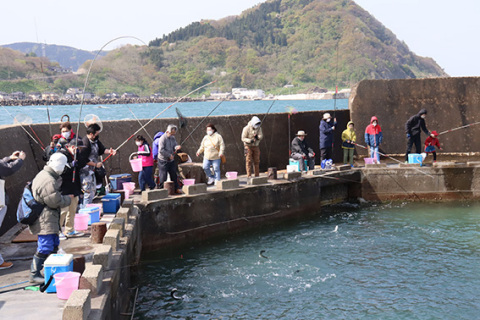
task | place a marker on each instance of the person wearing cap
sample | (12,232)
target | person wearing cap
(327,127)
(46,190)
(348,138)
(430,143)
(301,151)
(413,129)
(8,166)
(251,136)
(167,147)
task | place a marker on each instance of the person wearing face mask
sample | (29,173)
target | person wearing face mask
(145,177)
(373,138)
(251,136)
(46,190)
(89,154)
(51,148)
(167,147)
(349,138)
(327,127)
(301,151)
(413,129)
(213,147)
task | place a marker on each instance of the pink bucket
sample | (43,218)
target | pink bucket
(128,187)
(81,221)
(369,160)
(188,182)
(136,163)
(231,175)
(66,283)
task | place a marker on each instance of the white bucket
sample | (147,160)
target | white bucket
(292,168)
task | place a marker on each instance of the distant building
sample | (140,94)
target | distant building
(129,95)
(4,96)
(86,95)
(35,95)
(17,95)
(50,96)
(111,95)
(221,95)
(243,93)
(157,95)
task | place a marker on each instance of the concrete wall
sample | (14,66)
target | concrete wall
(450,102)
(274,147)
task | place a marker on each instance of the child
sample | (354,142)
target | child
(348,138)
(430,143)
(373,138)
(146,175)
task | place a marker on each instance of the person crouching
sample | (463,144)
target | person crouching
(301,152)
(46,190)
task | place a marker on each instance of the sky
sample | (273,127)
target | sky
(443,30)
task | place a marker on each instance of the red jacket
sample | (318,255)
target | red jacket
(432,142)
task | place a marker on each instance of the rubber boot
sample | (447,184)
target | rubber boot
(36,267)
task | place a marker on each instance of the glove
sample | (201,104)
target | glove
(311,155)
(408,135)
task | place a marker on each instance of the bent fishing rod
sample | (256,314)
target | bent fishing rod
(462,127)
(140,123)
(21,125)
(198,125)
(148,122)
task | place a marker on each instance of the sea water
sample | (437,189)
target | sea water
(389,261)
(38,114)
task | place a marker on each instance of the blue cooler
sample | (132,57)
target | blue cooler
(56,263)
(415,158)
(93,214)
(117,180)
(111,202)
(293,162)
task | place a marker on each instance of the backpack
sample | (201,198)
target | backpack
(28,209)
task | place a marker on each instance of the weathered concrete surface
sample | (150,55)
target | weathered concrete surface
(450,102)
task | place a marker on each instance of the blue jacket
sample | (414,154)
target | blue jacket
(155,144)
(326,134)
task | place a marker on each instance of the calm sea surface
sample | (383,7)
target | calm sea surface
(38,114)
(397,261)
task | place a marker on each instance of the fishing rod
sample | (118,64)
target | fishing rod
(462,127)
(49,122)
(198,125)
(383,154)
(336,85)
(268,111)
(146,124)
(21,125)
(140,124)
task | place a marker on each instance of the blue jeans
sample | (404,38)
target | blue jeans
(216,168)
(373,151)
(146,177)
(47,243)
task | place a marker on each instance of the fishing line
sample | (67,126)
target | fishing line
(140,124)
(21,125)
(198,125)
(36,135)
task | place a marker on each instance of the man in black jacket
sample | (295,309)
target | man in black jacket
(413,128)
(301,151)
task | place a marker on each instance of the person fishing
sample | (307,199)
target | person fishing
(51,148)
(430,143)
(167,147)
(349,138)
(374,138)
(156,138)
(90,153)
(301,151)
(413,129)
(327,127)
(8,166)
(46,191)
(145,177)
(214,148)
(251,136)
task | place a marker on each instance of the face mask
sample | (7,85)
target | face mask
(138,143)
(209,132)
(96,138)
(328,120)
(256,126)
(423,116)
(374,124)
(350,127)
(66,135)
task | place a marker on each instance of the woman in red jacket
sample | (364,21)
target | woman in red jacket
(430,143)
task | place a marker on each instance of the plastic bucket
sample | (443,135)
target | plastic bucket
(66,283)
(188,182)
(81,221)
(369,160)
(231,175)
(292,168)
(129,186)
(136,163)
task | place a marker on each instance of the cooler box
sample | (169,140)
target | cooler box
(296,163)
(111,203)
(415,158)
(117,180)
(93,214)
(54,264)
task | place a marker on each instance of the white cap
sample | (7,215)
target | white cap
(326,116)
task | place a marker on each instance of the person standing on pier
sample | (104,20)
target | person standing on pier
(374,138)
(145,177)
(327,127)
(167,147)
(251,136)
(413,129)
(8,166)
(214,148)
(349,138)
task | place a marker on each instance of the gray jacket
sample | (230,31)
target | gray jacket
(46,190)
(166,147)
(7,168)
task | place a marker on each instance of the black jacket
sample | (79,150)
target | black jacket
(68,185)
(87,149)
(416,123)
(9,167)
(301,147)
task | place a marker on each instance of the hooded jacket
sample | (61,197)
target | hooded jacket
(156,138)
(373,134)
(326,133)
(348,135)
(249,133)
(415,124)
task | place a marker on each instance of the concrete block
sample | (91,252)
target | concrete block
(409,165)
(118,224)
(444,164)
(473,163)
(228,184)
(195,189)
(315,172)
(375,165)
(78,306)
(255,181)
(102,255)
(153,195)
(112,238)
(344,167)
(128,203)
(292,175)
(124,213)
(92,278)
